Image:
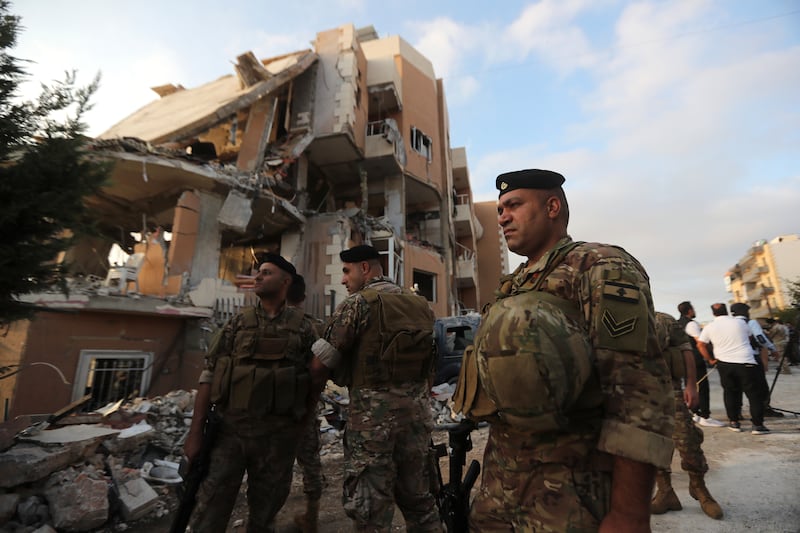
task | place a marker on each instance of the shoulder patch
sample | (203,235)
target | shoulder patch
(622,292)
(622,318)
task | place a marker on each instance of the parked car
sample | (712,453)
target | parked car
(452,335)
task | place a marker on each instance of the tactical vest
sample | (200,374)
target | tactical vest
(533,364)
(398,344)
(266,373)
(668,329)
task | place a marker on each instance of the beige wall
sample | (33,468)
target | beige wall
(429,261)
(491,252)
(421,111)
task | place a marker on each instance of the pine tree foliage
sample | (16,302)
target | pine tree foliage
(45,172)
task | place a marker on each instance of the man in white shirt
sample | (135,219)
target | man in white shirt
(738,371)
(759,341)
(702,413)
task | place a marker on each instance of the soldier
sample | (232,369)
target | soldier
(256,372)
(379,343)
(308,452)
(687,437)
(567,369)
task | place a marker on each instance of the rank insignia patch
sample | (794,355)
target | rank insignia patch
(617,328)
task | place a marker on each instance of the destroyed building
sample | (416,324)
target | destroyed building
(305,155)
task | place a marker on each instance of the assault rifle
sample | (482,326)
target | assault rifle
(197,470)
(452,498)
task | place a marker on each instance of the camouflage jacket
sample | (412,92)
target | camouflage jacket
(612,290)
(348,323)
(222,344)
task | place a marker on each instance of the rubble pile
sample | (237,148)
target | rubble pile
(99,471)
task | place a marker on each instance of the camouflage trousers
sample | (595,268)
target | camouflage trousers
(518,492)
(386,461)
(266,457)
(309,461)
(688,438)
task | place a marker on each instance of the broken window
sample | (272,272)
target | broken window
(111,375)
(422,144)
(425,284)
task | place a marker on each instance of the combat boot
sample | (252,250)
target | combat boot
(307,522)
(665,498)
(698,491)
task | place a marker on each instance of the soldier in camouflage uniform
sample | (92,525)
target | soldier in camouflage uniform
(571,378)
(308,451)
(389,419)
(256,372)
(687,437)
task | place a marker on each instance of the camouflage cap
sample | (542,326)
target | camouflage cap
(533,178)
(356,254)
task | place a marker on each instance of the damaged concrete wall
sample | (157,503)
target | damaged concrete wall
(59,338)
(341,96)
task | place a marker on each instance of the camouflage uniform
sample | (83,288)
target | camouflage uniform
(263,446)
(687,437)
(308,452)
(673,340)
(561,480)
(387,435)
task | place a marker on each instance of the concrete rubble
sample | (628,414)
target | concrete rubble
(98,471)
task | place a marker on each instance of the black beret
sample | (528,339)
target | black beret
(356,254)
(528,179)
(279,262)
(740,309)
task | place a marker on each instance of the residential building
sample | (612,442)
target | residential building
(761,278)
(306,154)
(491,246)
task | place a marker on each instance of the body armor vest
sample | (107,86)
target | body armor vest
(266,373)
(532,365)
(398,344)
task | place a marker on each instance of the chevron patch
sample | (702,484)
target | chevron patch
(617,328)
(622,292)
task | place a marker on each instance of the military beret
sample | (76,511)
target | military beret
(528,179)
(279,262)
(362,252)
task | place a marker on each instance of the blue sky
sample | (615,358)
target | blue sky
(676,123)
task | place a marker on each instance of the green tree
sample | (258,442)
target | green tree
(45,172)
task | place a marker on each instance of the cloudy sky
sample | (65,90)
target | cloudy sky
(675,122)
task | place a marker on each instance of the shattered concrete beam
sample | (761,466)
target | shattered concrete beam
(250,70)
(224,113)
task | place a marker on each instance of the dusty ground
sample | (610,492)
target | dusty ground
(756,479)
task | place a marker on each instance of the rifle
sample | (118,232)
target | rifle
(197,470)
(452,498)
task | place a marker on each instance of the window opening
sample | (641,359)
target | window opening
(110,376)
(425,283)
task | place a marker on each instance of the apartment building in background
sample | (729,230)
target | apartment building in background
(760,278)
(305,155)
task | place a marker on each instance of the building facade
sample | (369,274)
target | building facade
(760,278)
(306,154)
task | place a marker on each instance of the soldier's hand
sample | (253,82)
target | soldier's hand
(691,397)
(191,448)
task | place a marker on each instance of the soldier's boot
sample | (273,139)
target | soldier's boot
(307,522)
(698,491)
(665,498)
